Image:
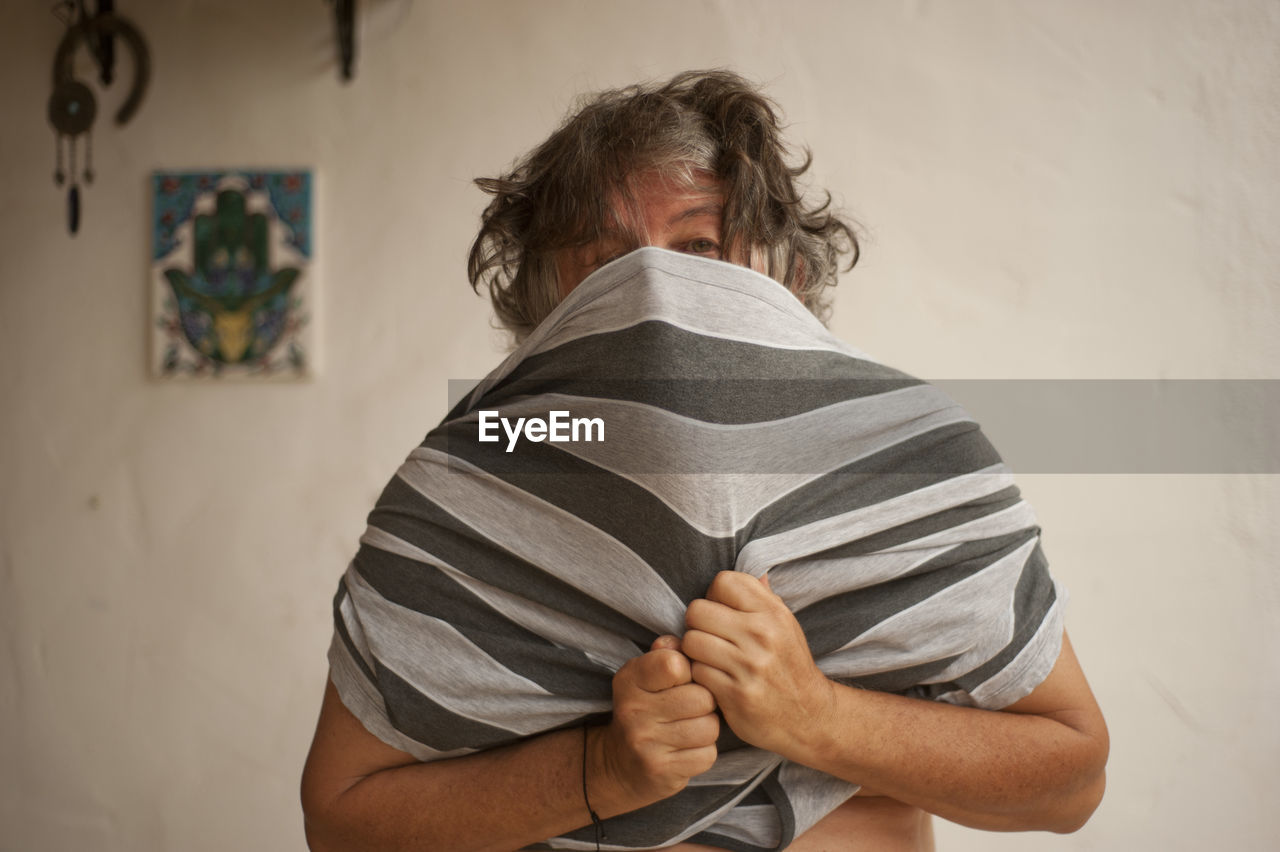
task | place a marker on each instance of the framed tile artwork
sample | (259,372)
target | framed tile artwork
(232,275)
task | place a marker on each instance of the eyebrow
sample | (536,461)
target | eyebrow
(714,208)
(620,237)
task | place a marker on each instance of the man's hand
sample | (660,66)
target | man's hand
(359,793)
(747,648)
(1039,764)
(664,726)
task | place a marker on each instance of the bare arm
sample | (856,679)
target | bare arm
(360,793)
(1038,764)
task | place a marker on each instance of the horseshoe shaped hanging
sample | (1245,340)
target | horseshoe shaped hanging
(72,108)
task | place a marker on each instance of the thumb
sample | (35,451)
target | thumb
(764,578)
(666,642)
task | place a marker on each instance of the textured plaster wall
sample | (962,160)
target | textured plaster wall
(1080,189)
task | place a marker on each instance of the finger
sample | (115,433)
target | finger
(660,670)
(692,733)
(687,701)
(714,617)
(717,681)
(666,642)
(704,647)
(739,590)
(691,762)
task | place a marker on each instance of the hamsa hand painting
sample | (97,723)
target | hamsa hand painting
(232,275)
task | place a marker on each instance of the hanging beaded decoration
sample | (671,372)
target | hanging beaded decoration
(72,107)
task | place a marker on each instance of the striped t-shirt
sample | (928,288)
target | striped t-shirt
(675,417)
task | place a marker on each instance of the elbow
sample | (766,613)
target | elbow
(1088,790)
(312,827)
(318,827)
(1066,797)
(1064,811)
(1081,806)
(315,842)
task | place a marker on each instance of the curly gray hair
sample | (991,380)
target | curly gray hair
(559,196)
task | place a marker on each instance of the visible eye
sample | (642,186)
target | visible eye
(703,246)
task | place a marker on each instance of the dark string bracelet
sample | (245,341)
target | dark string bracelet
(595,818)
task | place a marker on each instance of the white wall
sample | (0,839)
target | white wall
(1050,189)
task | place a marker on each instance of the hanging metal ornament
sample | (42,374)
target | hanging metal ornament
(71,112)
(72,107)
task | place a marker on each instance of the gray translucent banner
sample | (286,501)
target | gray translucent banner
(1110,426)
(1128,425)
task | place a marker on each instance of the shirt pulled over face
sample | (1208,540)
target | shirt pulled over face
(661,213)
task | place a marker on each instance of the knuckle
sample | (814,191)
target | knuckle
(722,580)
(635,741)
(675,666)
(649,670)
(736,696)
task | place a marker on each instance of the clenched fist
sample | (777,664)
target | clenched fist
(664,727)
(747,648)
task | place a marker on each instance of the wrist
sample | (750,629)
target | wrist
(824,728)
(606,787)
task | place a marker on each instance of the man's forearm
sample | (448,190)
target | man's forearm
(500,799)
(447,806)
(360,793)
(496,800)
(997,771)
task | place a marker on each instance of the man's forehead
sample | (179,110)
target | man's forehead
(671,211)
(664,202)
(649,201)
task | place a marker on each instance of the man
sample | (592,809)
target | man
(697,166)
